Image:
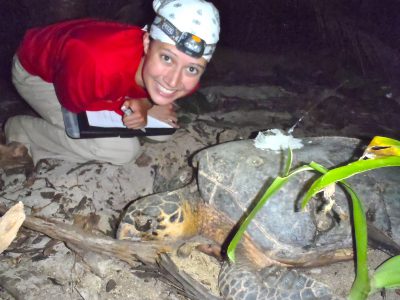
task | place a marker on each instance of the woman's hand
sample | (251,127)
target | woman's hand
(139,107)
(165,113)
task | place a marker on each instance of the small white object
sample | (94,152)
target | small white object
(275,139)
(389,95)
(126,110)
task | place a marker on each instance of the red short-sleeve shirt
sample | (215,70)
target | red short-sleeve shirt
(91,63)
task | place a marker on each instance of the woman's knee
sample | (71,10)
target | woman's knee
(14,129)
(118,151)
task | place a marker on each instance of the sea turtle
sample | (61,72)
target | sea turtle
(230,176)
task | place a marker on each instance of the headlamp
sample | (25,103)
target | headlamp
(186,42)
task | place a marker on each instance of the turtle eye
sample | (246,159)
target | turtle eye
(143,228)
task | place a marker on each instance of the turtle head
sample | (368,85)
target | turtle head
(158,217)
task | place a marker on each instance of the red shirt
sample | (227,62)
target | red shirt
(91,63)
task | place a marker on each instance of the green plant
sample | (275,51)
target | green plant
(381,152)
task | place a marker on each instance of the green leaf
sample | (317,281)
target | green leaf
(349,170)
(289,162)
(272,189)
(361,284)
(387,275)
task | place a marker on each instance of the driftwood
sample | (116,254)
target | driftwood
(127,251)
(150,253)
(10,224)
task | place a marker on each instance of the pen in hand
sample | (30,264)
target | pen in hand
(127,112)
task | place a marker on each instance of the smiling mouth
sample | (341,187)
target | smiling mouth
(165,91)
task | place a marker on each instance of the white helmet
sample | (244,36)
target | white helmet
(191,25)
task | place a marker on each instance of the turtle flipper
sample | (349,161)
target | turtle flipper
(241,281)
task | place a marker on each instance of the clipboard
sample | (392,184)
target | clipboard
(77,126)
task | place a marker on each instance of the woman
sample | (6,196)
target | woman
(91,65)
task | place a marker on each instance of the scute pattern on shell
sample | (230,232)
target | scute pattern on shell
(276,283)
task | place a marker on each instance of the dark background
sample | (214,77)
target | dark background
(363,35)
(295,44)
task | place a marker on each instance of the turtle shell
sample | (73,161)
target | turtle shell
(232,175)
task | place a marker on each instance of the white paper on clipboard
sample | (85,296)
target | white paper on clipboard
(109,119)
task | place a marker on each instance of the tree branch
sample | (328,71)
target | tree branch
(128,251)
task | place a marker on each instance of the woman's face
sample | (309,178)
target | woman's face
(169,74)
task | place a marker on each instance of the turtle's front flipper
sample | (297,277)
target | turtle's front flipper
(241,281)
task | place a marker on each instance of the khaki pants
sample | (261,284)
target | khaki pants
(46,138)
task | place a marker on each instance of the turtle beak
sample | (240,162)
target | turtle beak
(128,232)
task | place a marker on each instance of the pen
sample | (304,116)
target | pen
(127,112)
